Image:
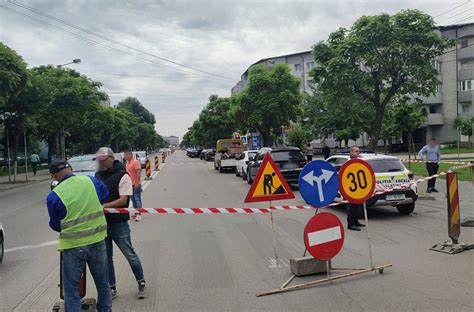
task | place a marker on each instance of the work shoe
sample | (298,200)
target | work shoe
(428,190)
(359,224)
(353,228)
(434,190)
(114,293)
(142,291)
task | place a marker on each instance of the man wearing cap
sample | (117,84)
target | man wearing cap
(113,174)
(76,212)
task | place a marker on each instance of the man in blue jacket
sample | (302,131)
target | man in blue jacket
(76,212)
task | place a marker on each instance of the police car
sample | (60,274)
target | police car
(392,177)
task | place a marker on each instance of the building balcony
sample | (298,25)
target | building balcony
(466,74)
(465,96)
(435,119)
(436,98)
(466,31)
(466,53)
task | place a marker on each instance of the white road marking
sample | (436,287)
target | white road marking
(53,242)
(324,236)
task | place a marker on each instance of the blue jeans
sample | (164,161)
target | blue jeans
(119,232)
(137,197)
(74,263)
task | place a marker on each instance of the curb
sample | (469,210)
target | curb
(9,187)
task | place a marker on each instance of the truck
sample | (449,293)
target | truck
(226,150)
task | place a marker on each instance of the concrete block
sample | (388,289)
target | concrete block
(307,266)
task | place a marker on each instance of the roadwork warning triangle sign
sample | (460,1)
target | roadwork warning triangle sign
(269,184)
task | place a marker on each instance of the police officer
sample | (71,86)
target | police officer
(76,212)
(354,209)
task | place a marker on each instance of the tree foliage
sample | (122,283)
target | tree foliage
(270,100)
(299,137)
(380,59)
(13,75)
(134,106)
(464,125)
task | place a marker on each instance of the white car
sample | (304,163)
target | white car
(242,163)
(390,173)
(2,243)
(141,157)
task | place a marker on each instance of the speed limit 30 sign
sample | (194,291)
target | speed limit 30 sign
(356,181)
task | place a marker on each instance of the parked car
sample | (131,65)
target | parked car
(207,154)
(2,243)
(290,161)
(242,163)
(140,156)
(389,173)
(226,150)
(194,153)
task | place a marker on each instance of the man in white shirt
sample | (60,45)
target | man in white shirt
(113,174)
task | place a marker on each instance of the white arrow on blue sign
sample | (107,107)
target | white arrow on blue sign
(318,183)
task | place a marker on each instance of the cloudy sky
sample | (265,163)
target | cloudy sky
(123,44)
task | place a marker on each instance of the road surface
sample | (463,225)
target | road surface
(219,262)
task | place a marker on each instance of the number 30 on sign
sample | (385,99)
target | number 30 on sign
(356,181)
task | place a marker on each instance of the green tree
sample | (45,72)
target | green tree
(345,117)
(299,137)
(408,117)
(381,59)
(270,100)
(464,125)
(134,106)
(13,75)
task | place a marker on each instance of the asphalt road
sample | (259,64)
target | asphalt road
(219,262)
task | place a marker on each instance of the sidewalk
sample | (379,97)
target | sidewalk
(451,157)
(41,175)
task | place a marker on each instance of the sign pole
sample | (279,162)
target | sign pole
(274,238)
(368,235)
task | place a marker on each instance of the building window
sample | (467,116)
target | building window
(432,110)
(466,108)
(297,67)
(309,65)
(464,44)
(467,85)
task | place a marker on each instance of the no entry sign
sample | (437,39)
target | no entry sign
(324,236)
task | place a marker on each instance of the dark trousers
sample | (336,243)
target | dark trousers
(353,214)
(34,165)
(432,169)
(309,157)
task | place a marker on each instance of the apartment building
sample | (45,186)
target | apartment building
(456,90)
(172,140)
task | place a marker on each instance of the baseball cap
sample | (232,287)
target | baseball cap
(103,153)
(57,165)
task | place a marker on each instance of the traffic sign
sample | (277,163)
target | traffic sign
(324,236)
(318,183)
(356,181)
(269,183)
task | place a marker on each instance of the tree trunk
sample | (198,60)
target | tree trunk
(374,136)
(265,138)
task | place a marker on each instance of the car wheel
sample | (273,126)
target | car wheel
(249,179)
(406,209)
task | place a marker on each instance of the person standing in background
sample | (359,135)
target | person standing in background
(35,161)
(309,152)
(354,209)
(432,155)
(326,151)
(134,170)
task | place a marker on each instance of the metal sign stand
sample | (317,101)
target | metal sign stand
(454,223)
(356,271)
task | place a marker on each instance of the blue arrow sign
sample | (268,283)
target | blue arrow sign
(318,183)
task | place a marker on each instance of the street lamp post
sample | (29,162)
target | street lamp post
(63,139)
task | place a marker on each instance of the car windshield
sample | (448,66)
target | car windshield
(83,165)
(287,155)
(386,165)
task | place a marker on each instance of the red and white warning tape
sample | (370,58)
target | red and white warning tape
(441,162)
(196,210)
(248,210)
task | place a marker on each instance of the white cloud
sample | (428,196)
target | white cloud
(222,37)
